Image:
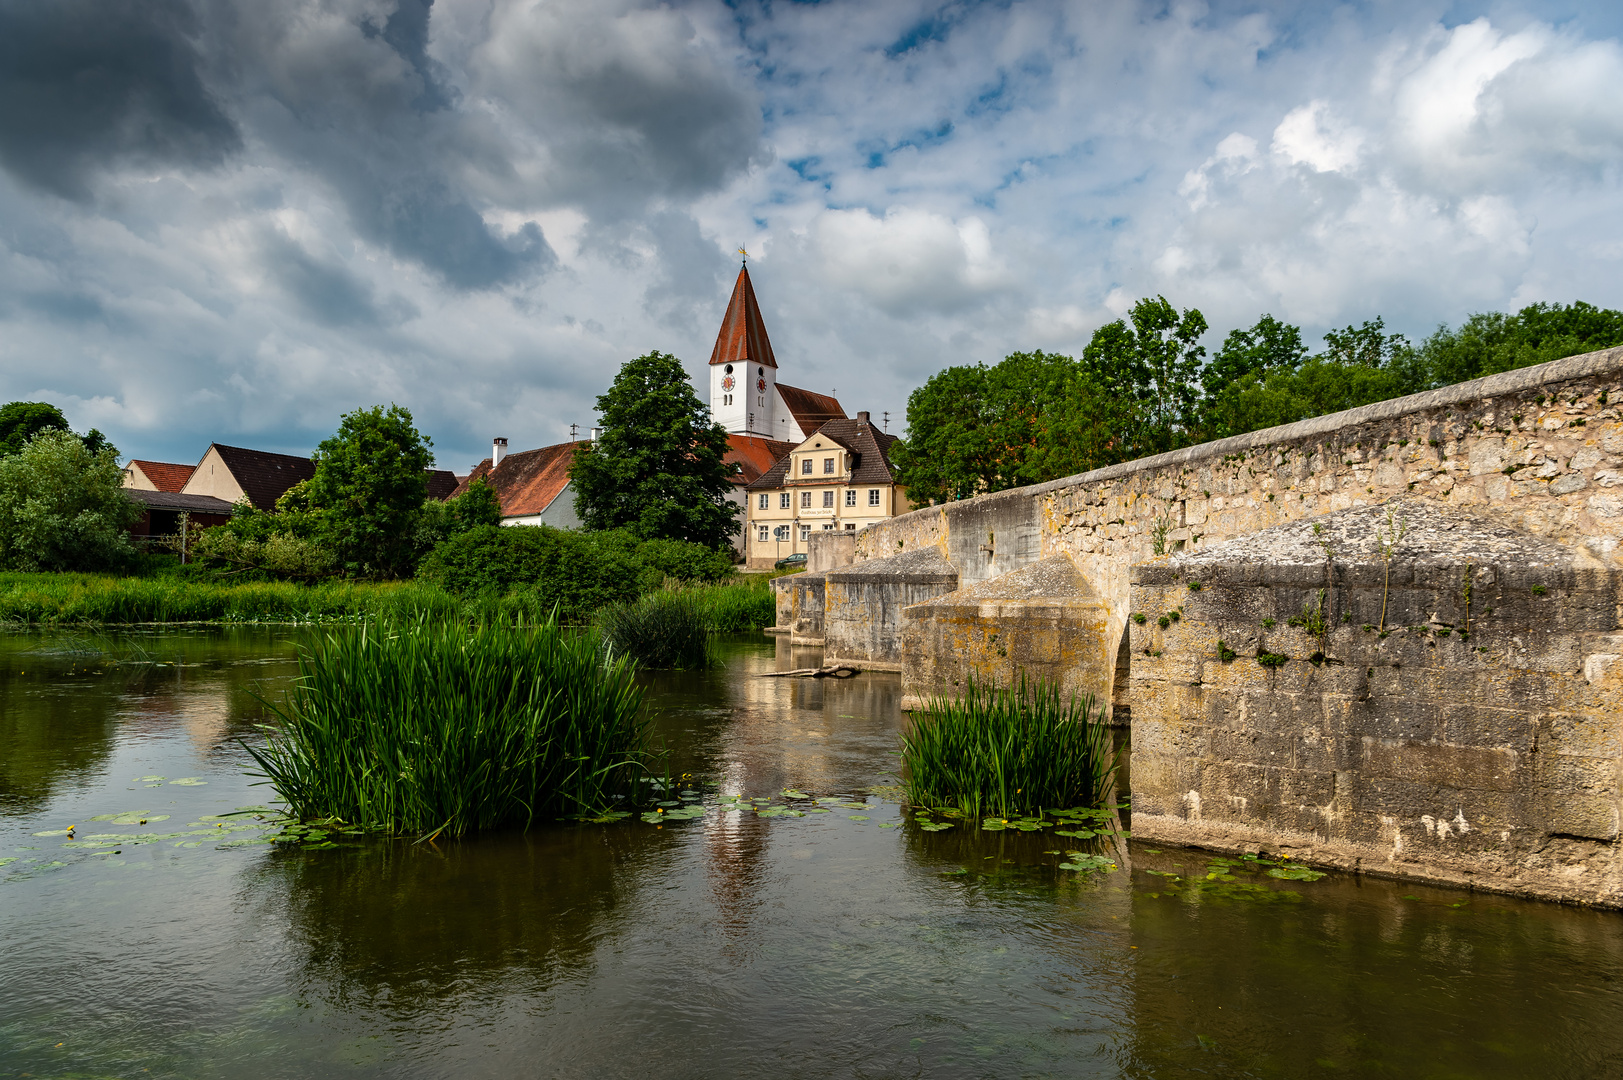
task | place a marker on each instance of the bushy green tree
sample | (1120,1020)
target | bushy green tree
(657,468)
(1359,366)
(369,486)
(22,420)
(1491,342)
(974,428)
(1151,361)
(439,521)
(63,507)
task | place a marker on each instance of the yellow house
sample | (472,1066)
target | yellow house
(838,478)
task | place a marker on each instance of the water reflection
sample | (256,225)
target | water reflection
(409,929)
(65,697)
(842,944)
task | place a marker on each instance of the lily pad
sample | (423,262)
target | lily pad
(993,824)
(188,781)
(1085,863)
(149,779)
(1295,873)
(54,832)
(8,860)
(935,826)
(1076,834)
(791,793)
(857,817)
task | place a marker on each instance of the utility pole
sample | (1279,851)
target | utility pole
(886,415)
(574,429)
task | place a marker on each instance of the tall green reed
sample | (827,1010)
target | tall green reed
(665,629)
(424,727)
(1008,750)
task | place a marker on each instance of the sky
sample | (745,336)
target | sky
(235,222)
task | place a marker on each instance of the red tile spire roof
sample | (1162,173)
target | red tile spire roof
(743,335)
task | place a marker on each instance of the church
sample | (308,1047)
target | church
(804,466)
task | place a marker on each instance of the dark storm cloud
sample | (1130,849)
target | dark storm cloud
(86,84)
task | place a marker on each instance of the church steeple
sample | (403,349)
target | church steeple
(743,337)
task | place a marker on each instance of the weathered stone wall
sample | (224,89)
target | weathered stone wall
(800,608)
(863,605)
(1473,737)
(829,550)
(1042,622)
(1540,449)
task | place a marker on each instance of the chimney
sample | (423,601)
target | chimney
(498,447)
(862,418)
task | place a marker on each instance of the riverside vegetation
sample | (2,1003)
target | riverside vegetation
(425,728)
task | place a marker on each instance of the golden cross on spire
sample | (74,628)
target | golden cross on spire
(744,253)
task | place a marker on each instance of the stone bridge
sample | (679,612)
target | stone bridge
(1386,638)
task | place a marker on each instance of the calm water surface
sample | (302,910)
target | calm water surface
(847,944)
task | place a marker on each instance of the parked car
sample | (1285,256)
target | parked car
(797,561)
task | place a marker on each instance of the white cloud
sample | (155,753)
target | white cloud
(1310,136)
(482,215)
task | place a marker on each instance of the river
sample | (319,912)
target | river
(842,944)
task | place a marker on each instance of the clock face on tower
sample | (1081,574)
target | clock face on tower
(727,382)
(760,384)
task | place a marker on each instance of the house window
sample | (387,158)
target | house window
(783,500)
(850,498)
(805,467)
(828,465)
(781,532)
(763,501)
(762,533)
(828,526)
(873,496)
(805,533)
(805,499)
(726,399)
(850,526)
(828,499)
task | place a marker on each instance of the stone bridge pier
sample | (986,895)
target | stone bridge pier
(1390,639)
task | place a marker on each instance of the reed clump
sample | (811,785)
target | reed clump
(665,629)
(429,727)
(1008,750)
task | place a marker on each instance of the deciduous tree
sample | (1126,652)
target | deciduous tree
(657,467)
(63,507)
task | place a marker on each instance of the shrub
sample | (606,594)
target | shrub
(423,727)
(1005,751)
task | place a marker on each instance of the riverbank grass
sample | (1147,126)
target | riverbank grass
(427,728)
(742,604)
(1004,751)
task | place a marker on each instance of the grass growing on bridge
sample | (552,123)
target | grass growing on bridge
(1004,751)
(422,727)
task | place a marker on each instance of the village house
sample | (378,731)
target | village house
(203,494)
(532,485)
(840,478)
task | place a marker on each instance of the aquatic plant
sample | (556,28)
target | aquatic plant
(425,727)
(666,629)
(1001,751)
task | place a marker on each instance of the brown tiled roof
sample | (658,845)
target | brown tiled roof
(811,410)
(754,455)
(870,445)
(743,335)
(170,500)
(165,475)
(263,476)
(528,481)
(441,483)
